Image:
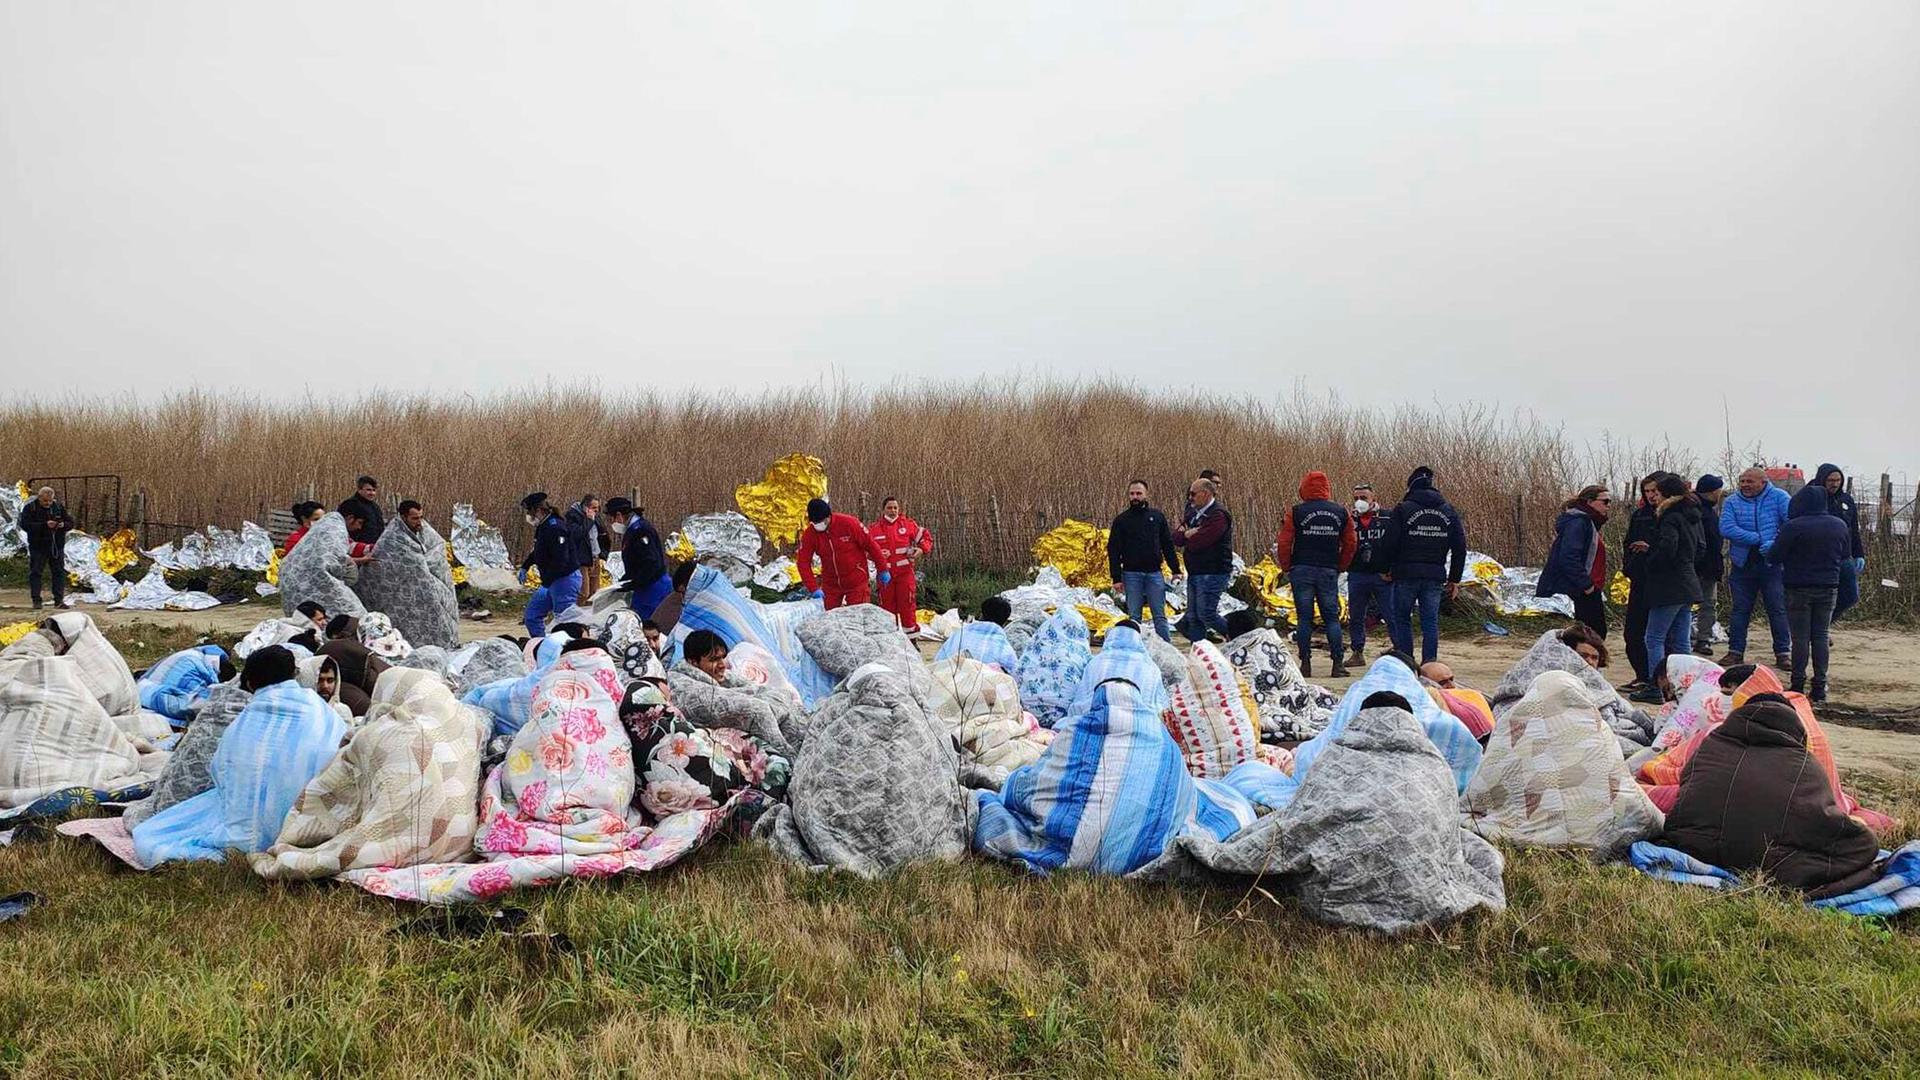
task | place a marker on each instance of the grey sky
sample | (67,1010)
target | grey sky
(1610,214)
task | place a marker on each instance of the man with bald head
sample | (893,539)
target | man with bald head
(1206,532)
(46,523)
(1750,519)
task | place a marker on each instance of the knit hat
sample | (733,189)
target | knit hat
(534,501)
(818,510)
(1422,478)
(1708,485)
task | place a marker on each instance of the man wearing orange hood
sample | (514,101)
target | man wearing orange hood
(1316,542)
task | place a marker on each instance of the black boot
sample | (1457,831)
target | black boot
(1339,664)
(1306,662)
(1818,693)
(1797,684)
(1358,658)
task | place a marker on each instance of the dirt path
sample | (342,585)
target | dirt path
(231,620)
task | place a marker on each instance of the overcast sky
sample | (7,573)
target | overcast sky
(1611,214)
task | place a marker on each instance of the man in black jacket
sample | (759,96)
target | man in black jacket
(1640,533)
(45,522)
(366,503)
(1426,546)
(1840,505)
(1138,543)
(1713,561)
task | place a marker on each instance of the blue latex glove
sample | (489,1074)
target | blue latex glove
(818,594)
(885,577)
(522,575)
(1859,566)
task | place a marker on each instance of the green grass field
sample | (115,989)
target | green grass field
(733,965)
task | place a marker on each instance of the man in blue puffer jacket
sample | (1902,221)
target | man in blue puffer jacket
(1809,552)
(1750,520)
(1840,505)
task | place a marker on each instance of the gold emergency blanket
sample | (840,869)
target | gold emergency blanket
(777,505)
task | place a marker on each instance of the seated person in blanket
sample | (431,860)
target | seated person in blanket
(1467,705)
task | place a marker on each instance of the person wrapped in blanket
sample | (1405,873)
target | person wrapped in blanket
(1112,790)
(1466,704)
(679,765)
(1754,797)
(177,685)
(985,638)
(711,696)
(360,668)
(280,741)
(1663,774)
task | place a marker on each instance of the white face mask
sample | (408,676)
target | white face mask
(531,520)
(819,526)
(618,527)
(893,515)
(1361,506)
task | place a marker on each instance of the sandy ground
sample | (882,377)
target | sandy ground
(229,619)
(1875,671)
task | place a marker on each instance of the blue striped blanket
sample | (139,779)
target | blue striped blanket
(1443,729)
(1122,656)
(1109,793)
(281,740)
(712,603)
(177,685)
(983,641)
(1897,890)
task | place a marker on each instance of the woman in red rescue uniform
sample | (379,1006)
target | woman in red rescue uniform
(844,548)
(902,541)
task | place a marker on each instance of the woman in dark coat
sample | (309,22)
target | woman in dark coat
(1577,564)
(1754,798)
(1639,541)
(1669,583)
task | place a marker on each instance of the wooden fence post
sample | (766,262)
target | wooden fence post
(137,515)
(996,540)
(1886,509)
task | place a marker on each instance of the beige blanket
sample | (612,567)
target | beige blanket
(405,791)
(54,735)
(1553,777)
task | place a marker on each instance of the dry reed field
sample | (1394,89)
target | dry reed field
(987,467)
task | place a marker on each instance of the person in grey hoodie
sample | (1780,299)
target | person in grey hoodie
(1809,551)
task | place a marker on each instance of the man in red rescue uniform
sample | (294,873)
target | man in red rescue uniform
(844,547)
(902,541)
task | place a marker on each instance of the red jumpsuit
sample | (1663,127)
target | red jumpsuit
(844,550)
(896,540)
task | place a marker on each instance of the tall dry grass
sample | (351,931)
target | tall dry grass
(986,467)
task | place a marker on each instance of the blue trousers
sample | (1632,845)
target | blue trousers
(1203,606)
(1367,591)
(1669,632)
(647,597)
(1427,594)
(1757,580)
(1147,589)
(551,598)
(1316,586)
